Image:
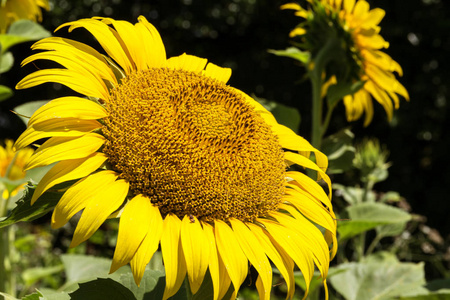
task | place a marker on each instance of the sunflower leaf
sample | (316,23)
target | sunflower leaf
(5,92)
(293,52)
(370,279)
(47,295)
(81,268)
(6,62)
(369,215)
(102,288)
(26,110)
(24,211)
(22,31)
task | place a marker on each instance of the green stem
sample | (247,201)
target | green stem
(7,277)
(317,106)
(320,61)
(326,122)
(372,245)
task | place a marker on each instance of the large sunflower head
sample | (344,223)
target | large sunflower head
(13,10)
(359,55)
(187,162)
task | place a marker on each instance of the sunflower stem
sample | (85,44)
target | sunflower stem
(316,73)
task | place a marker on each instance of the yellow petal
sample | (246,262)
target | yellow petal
(98,209)
(187,62)
(153,47)
(196,251)
(79,52)
(293,6)
(172,253)
(148,246)
(225,281)
(311,236)
(311,187)
(374,17)
(290,140)
(79,194)
(216,72)
(55,127)
(213,260)
(131,41)
(68,107)
(297,32)
(63,148)
(305,162)
(262,292)
(133,227)
(104,35)
(381,96)
(231,254)
(275,257)
(68,170)
(84,68)
(70,78)
(348,5)
(255,254)
(290,241)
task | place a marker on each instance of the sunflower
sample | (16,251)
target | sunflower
(189,163)
(13,10)
(357,27)
(11,166)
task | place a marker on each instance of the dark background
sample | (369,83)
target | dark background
(237,34)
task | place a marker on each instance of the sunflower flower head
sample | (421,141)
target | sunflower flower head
(11,166)
(188,163)
(13,10)
(349,30)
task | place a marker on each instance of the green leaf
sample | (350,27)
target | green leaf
(83,268)
(9,297)
(340,151)
(102,289)
(22,31)
(438,295)
(5,92)
(6,62)
(152,286)
(286,115)
(293,52)
(353,195)
(30,276)
(378,280)
(368,215)
(26,110)
(47,294)
(24,211)
(336,92)
(390,229)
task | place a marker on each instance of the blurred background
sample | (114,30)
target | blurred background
(238,33)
